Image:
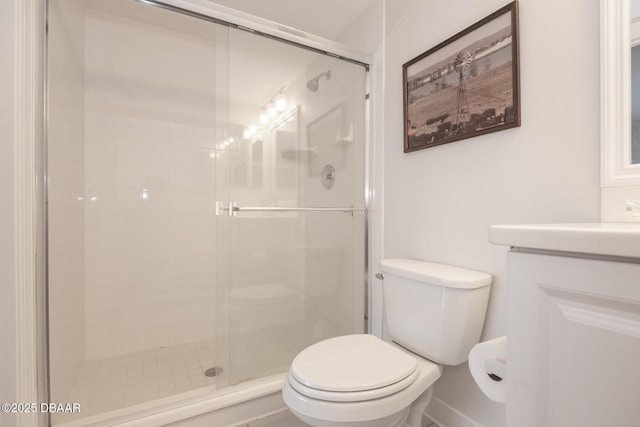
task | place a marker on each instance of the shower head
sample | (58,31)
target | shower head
(313,85)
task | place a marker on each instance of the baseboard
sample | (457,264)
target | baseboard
(447,416)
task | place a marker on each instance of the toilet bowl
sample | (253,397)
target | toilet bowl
(434,314)
(364,381)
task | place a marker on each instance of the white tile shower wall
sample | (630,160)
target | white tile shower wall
(65,210)
(150,185)
(335,241)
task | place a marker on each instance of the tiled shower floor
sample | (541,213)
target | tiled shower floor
(115,383)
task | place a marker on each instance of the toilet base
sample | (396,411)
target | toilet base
(395,420)
(418,407)
(410,416)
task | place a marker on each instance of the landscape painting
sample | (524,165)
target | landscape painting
(466,86)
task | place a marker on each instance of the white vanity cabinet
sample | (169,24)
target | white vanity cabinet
(573,325)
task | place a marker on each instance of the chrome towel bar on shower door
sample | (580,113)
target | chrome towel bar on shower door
(232,209)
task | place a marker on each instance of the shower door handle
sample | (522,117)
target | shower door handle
(229,208)
(350,210)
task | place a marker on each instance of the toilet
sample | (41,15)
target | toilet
(434,314)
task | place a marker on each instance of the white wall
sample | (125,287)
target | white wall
(366,31)
(542,172)
(439,202)
(8,31)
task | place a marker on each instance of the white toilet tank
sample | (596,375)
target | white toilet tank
(434,310)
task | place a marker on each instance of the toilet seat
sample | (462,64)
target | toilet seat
(352,396)
(377,412)
(352,368)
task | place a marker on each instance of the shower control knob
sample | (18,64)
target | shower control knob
(328,176)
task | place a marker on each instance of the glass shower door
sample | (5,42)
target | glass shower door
(294,219)
(158,120)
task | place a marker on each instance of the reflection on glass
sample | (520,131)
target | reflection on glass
(294,277)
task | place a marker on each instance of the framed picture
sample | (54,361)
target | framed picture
(466,86)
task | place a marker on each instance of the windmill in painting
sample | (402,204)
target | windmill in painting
(460,64)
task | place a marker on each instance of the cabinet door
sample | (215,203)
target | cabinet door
(574,342)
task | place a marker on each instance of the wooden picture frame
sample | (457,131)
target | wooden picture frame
(466,86)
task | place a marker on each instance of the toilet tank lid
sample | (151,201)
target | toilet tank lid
(436,274)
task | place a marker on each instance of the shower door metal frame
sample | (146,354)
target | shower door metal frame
(280,34)
(32,173)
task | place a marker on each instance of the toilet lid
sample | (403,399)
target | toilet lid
(351,363)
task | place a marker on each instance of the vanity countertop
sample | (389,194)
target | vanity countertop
(612,239)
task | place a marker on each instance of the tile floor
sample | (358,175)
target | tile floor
(114,383)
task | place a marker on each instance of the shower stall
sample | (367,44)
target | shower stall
(206,208)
